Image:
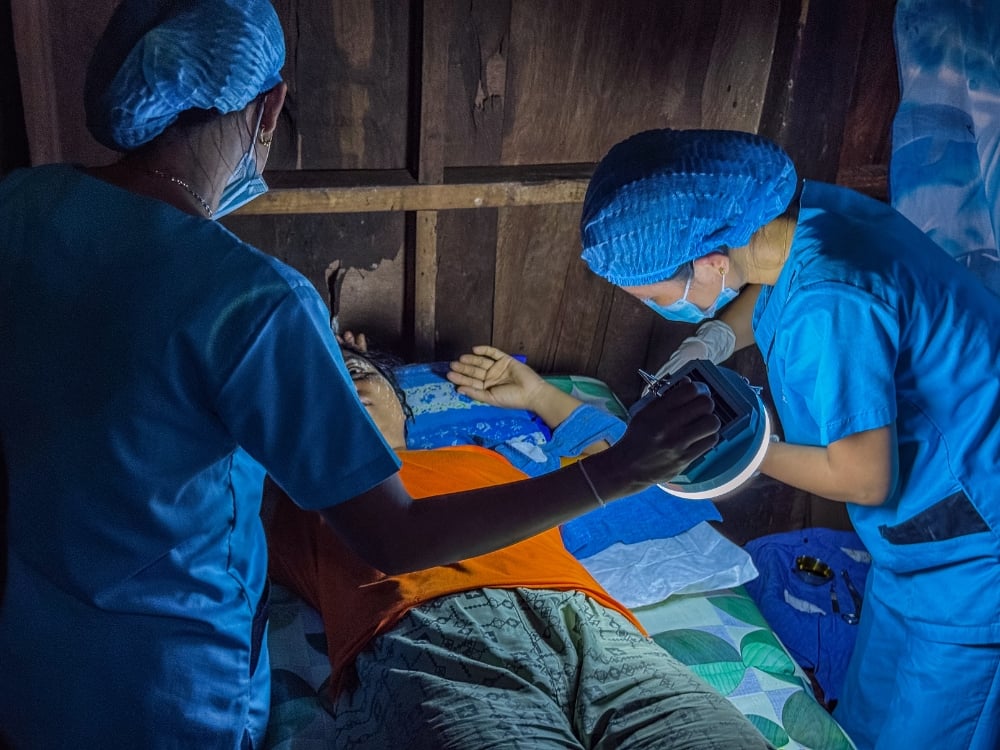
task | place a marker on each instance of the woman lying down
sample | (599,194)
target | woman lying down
(517,648)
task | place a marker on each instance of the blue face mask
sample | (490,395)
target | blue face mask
(685,311)
(246,182)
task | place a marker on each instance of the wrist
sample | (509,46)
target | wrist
(611,480)
(552,404)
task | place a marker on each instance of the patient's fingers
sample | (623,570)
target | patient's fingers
(358,341)
(466,375)
(477,365)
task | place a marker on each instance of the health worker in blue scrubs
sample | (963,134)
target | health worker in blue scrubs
(154,366)
(883,359)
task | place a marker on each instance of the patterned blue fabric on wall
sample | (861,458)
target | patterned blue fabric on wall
(944,173)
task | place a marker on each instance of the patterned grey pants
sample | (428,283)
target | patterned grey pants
(521,668)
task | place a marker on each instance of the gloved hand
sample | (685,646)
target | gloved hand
(713,340)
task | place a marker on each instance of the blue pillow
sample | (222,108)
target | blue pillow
(442,416)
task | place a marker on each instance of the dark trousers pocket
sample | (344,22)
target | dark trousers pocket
(952,517)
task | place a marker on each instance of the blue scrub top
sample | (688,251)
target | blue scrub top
(871,324)
(153,363)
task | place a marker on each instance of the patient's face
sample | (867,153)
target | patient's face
(378,398)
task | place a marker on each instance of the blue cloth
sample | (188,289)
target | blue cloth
(664,197)
(651,514)
(153,363)
(871,324)
(802,613)
(442,416)
(158,58)
(944,172)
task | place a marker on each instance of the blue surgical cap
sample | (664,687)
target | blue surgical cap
(158,58)
(662,198)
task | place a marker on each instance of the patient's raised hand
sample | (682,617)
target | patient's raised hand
(492,376)
(356,341)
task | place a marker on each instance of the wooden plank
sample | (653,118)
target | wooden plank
(433,76)
(871,180)
(347,71)
(54,41)
(536,247)
(425,284)
(583,309)
(476,96)
(867,140)
(13,136)
(466,271)
(415,197)
(363,191)
(477,83)
(812,85)
(740,65)
(624,345)
(582,75)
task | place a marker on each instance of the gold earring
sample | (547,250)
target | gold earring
(265,140)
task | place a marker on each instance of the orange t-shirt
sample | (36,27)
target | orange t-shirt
(357,602)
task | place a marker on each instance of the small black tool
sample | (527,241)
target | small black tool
(855,595)
(851,618)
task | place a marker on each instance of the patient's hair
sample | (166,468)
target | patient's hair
(385,364)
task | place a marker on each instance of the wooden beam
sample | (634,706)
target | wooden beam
(33,41)
(425,283)
(430,168)
(462,188)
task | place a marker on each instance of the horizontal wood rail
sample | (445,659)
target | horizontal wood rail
(363,191)
(360,191)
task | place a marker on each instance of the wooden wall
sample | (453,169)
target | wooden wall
(440,150)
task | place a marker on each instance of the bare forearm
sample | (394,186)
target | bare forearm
(394,533)
(415,534)
(857,470)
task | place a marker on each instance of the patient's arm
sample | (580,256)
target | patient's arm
(494,377)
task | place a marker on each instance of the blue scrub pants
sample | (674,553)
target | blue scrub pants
(905,691)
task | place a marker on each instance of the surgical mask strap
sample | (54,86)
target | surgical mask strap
(246,182)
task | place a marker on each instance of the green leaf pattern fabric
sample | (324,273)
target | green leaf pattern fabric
(725,640)
(590,391)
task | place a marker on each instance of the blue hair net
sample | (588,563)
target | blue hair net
(158,58)
(662,198)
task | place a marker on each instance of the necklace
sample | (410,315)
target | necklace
(191,190)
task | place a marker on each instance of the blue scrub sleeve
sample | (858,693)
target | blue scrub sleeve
(290,404)
(833,362)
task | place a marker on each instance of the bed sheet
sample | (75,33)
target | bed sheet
(720,635)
